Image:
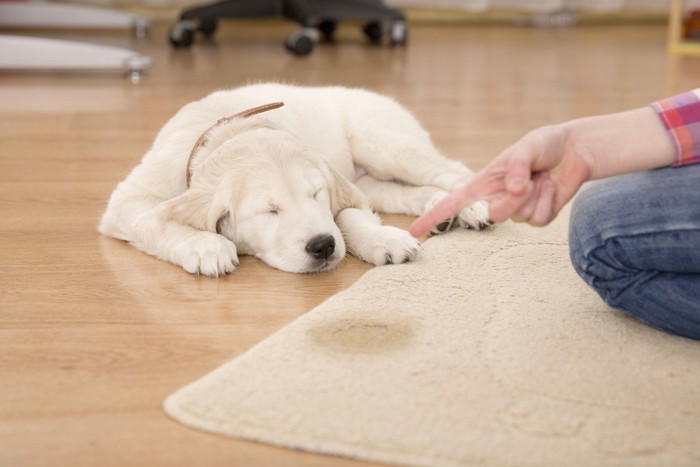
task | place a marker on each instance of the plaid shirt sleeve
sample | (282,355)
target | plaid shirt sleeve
(681,117)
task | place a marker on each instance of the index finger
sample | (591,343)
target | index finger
(443,210)
(479,188)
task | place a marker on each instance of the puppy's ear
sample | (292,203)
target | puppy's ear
(222,130)
(197,208)
(344,194)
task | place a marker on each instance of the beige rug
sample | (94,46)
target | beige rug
(489,351)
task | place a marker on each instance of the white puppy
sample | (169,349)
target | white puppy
(295,186)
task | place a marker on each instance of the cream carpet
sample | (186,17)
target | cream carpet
(487,351)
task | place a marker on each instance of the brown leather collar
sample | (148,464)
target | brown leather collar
(202,141)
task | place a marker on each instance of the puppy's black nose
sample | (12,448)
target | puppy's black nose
(321,246)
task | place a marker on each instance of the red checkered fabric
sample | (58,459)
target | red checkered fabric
(681,116)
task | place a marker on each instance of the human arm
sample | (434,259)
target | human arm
(534,178)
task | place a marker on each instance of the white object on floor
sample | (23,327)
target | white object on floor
(48,15)
(541,6)
(19,52)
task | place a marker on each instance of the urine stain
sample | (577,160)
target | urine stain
(371,335)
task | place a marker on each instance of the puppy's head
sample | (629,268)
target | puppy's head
(272,196)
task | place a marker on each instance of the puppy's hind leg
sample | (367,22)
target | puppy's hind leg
(413,160)
(410,160)
(395,197)
(398,198)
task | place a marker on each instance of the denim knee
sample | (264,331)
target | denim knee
(631,264)
(595,258)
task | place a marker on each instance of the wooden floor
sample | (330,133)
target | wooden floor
(94,334)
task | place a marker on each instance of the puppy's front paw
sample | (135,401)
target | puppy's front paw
(475,216)
(207,253)
(390,245)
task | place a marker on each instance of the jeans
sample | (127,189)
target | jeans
(635,239)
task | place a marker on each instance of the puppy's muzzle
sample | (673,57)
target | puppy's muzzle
(321,246)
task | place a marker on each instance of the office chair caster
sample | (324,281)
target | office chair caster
(302,42)
(374,32)
(397,33)
(327,29)
(207,26)
(182,33)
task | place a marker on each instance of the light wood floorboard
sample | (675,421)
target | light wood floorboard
(94,334)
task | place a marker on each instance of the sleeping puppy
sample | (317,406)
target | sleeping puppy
(294,181)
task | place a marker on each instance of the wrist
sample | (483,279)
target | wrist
(620,143)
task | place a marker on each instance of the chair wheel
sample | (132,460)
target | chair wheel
(181,34)
(302,42)
(373,31)
(327,28)
(207,26)
(398,34)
